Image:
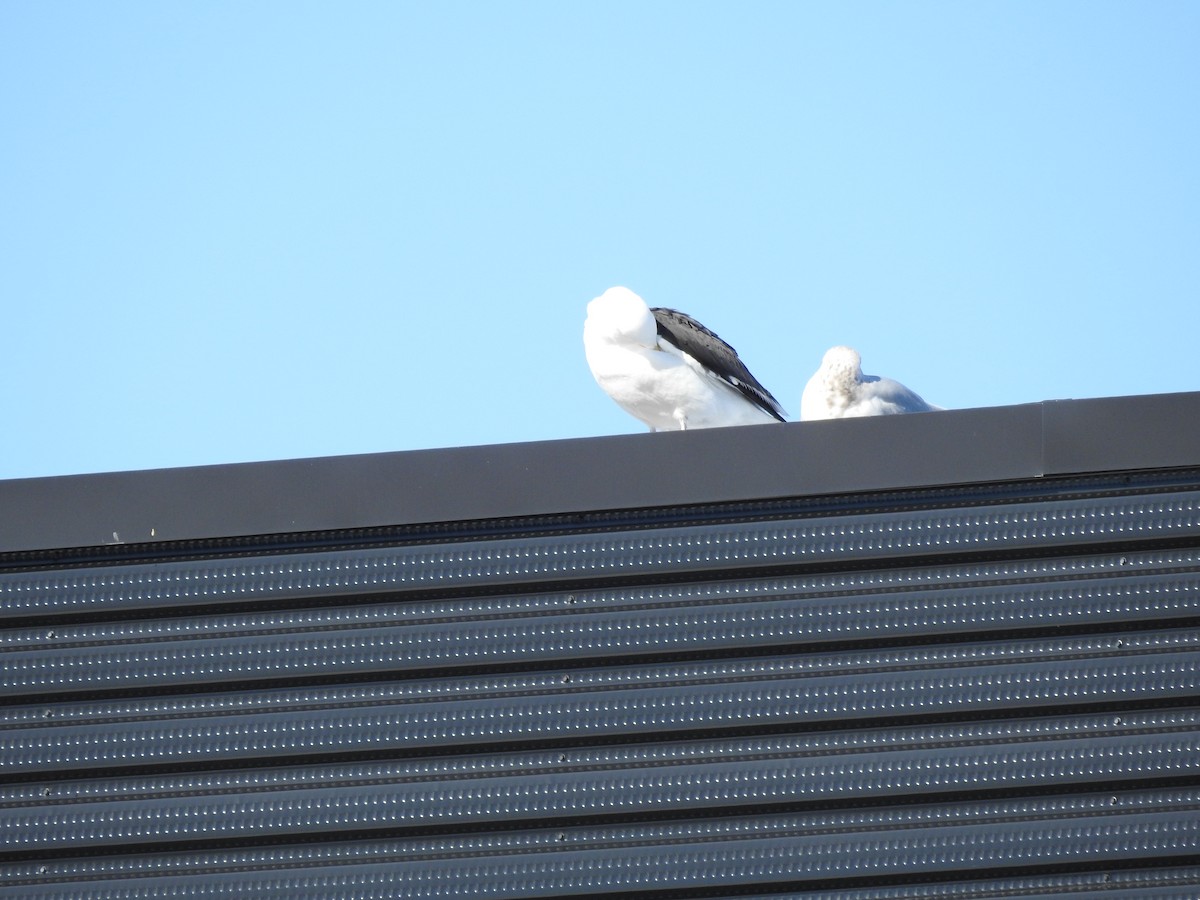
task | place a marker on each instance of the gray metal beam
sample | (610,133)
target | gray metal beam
(605,473)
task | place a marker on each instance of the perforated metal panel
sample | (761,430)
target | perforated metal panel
(965,688)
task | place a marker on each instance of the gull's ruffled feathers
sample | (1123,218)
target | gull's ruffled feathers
(666,369)
(840,390)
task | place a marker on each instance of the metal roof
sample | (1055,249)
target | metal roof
(607,473)
(940,655)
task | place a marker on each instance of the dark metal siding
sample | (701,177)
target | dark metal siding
(966,688)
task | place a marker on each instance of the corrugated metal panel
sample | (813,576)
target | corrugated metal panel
(989,690)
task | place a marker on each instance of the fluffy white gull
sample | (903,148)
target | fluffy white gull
(667,369)
(840,390)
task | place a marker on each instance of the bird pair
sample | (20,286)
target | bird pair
(666,369)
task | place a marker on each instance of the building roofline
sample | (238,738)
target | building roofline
(1061,437)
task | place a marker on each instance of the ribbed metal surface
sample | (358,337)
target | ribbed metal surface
(999,699)
(535,560)
(221,650)
(328,805)
(635,836)
(1029,732)
(1052,836)
(585,706)
(828,606)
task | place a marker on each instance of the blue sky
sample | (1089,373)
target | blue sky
(240,231)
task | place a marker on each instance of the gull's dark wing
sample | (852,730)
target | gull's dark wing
(704,346)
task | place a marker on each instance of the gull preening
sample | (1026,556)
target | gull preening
(666,369)
(840,390)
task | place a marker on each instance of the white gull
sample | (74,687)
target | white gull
(666,369)
(840,390)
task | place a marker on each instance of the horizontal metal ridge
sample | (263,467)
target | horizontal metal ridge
(768,850)
(1035,573)
(594,634)
(1150,723)
(695,549)
(611,703)
(1166,883)
(538,840)
(613,677)
(686,789)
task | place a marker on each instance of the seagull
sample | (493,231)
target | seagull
(840,390)
(666,369)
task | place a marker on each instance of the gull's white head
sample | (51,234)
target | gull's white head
(833,387)
(842,361)
(620,316)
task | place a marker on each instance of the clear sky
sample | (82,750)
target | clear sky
(236,231)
